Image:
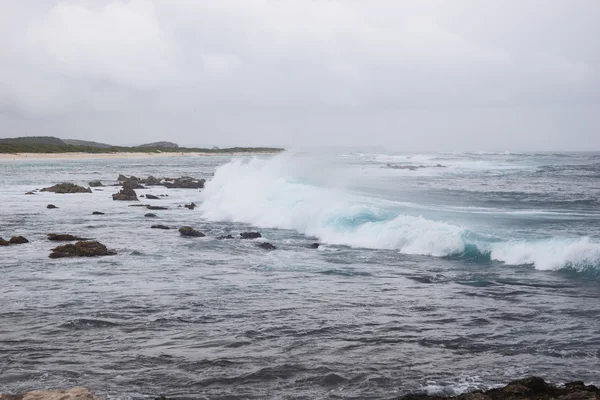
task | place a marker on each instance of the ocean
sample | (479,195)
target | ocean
(435,273)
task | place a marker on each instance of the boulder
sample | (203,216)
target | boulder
(185,183)
(150,215)
(266,246)
(81,249)
(225,237)
(157,208)
(51,206)
(152,197)
(76,393)
(314,245)
(3,242)
(250,235)
(151,181)
(18,240)
(189,231)
(160,227)
(97,213)
(190,206)
(66,188)
(58,237)
(95,184)
(122,178)
(126,194)
(134,184)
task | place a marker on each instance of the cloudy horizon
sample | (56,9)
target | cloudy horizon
(460,75)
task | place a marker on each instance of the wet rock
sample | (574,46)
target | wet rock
(64,188)
(126,193)
(76,393)
(139,205)
(150,215)
(29,193)
(152,181)
(18,240)
(152,197)
(3,242)
(81,249)
(95,184)
(51,206)
(314,245)
(250,235)
(225,237)
(160,227)
(190,206)
(157,208)
(122,178)
(58,237)
(189,231)
(532,388)
(184,183)
(134,184)
(266,246)
(142,195)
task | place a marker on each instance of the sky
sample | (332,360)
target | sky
(422,75)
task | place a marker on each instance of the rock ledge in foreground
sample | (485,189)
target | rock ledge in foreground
(76,393)
(532,388)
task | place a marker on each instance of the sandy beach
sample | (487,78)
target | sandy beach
(83,156)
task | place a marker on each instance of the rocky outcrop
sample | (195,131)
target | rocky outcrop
(95,184)
(152,181)
(18,240)
(250,235)
(150,215)
(81,249)
(76,393)
(51,206)
(190,206)
(63,237)
(66,188)
(190,232)
(97,213)
(152,197)
(160,227)
(185,183)
(266,246)
(30,193)
(532,388)
(156,208)
(125,194)
(3,242)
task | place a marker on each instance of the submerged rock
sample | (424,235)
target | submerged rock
(189,231)
(266,246)
(225,237)
(152,197)
(18,240)
(250,235)
(160,227)
(126,194)
(30,193)
(76,393)
(51,206)
(150,215)
(314,245)
(532,388)
(97,213)
(95,184)
(66,188)
(58,237)
(81,249)
(157,208)
(190,206)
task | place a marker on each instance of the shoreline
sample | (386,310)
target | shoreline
(91,156)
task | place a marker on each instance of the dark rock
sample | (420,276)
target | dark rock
(63,237)
(314,245)
(126,194)
(139,205)
(152,197)
(266,246)
(66,188)
(30,193)
(250,235)
(189,231)
(157,208)
(3,242)
(95,184)
(18,240)
(159,227)
(150,215)
(225,237)
(184,183)
(142,195)
(122,178)
(97,213)
(134,184)
(51,206)
(191,206)
(81,249)
(152,181)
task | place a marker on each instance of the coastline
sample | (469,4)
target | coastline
(86,156)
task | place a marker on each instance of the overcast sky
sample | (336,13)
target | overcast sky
(445,75)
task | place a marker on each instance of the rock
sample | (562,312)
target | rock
(29,193)
(126,194)
(150,215)
(190,206)
(3,242)
(51,206)
(139,205)
(189,231)
(97,213)
(314,245)
(81,249)
(151,181)
(142,195)
(225,237)
(152,197)
(18,240)
(66,188)
(184,183)
(532,388)
(76,393)
(250,235)
(95,184)
(134,184)
(160,227)
(122,178)
(266,246)
(63,237)
(157,208)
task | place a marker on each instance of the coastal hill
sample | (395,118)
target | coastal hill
(50,144)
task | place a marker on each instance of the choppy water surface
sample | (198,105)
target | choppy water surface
(438,272)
